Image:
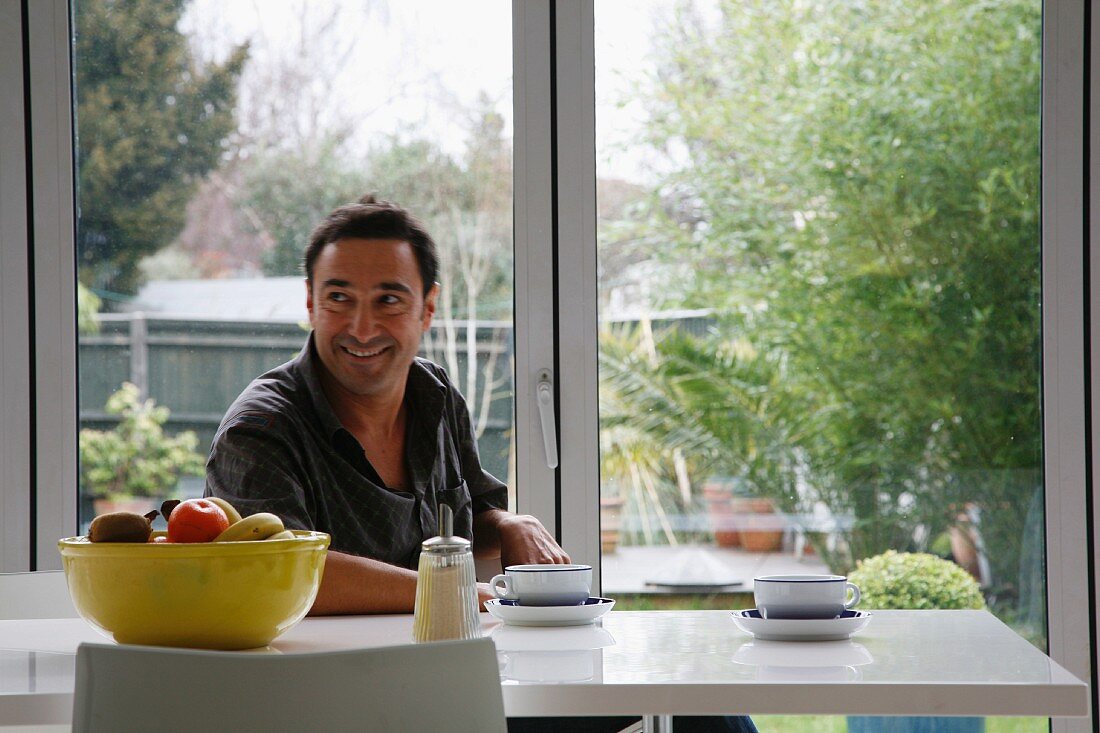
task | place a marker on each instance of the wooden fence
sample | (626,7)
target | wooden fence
(196,368)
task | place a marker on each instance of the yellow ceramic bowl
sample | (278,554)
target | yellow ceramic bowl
(208,595)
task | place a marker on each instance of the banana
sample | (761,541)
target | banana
(286,534)
(229,509)
(253,527)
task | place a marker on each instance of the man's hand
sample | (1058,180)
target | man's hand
(524,541)
(484,593)
(517,539)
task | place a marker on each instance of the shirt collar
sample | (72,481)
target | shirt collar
(309,366)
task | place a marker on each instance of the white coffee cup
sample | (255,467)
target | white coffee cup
(544,585)
(804,596)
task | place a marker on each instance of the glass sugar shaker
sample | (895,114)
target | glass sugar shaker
(446,588)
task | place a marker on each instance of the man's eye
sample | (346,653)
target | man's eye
(337,297)
(389,300)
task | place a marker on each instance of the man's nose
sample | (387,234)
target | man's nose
(363,325)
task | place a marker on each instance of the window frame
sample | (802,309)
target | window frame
(1067,343)
(555,302)
(533,217)
(15,388)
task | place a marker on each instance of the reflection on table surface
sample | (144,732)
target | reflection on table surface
(660,662)
(826,661)
(542,655)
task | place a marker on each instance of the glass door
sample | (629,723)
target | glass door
(211,138)
(818,242)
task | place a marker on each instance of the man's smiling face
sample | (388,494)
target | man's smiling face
(368,310)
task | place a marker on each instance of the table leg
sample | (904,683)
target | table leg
(657,723)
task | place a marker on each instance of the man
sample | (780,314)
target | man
(359,438)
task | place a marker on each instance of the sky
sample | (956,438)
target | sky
(388,67)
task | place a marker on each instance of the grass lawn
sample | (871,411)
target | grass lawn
(685,602)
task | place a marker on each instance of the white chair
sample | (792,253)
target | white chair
(41,594)
(442,686)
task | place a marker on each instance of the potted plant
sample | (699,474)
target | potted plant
(719,499)
(740,519)
(135,465)
(914,580)
(760,528)
(611,509)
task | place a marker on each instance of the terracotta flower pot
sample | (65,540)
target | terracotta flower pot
(756,524)
(610,523)
(761,540)
(723,522)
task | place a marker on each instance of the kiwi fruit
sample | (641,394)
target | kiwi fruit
(121,527)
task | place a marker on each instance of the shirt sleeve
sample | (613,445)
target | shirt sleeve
(486,491)
(254,467)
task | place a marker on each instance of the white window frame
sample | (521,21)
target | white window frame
(15,345)
(1066,344)
(532,91)
(54,403)
(577,281)
(39,418)
(554,163)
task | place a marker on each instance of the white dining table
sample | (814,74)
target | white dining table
(658,663)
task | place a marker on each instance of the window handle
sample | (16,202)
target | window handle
(544,394)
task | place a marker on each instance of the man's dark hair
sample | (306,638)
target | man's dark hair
(373,218)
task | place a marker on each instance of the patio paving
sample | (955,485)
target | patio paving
(696,568)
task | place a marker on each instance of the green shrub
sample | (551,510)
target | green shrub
(136,458)
(914,580)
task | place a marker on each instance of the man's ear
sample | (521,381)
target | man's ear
(309,299)
(429,307)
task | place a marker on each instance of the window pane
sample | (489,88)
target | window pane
(819,307)
(212,137)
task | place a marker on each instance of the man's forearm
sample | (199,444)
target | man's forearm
(352,584)
(487,533)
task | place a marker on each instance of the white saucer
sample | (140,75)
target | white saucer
(510,612)
(812,629)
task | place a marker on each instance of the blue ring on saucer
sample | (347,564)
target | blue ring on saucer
(587,602)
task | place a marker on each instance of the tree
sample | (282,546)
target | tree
(857,198)
(288,192)
(150,124)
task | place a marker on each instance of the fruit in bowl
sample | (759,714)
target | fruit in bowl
(231,594)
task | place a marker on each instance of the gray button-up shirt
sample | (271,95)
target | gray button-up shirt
(281,449)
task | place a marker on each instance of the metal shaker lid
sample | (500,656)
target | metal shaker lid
(446,543)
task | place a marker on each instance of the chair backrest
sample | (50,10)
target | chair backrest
(441,686)
(41,594)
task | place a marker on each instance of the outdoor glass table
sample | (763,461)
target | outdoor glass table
(659,663)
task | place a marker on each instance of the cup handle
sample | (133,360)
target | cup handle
(508,594)
(855,595)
